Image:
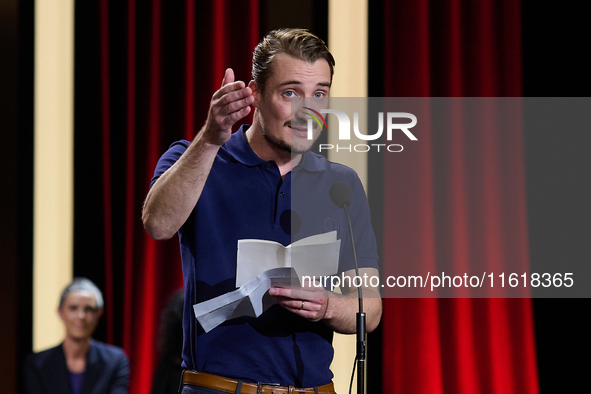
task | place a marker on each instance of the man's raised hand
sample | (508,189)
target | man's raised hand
(228,105)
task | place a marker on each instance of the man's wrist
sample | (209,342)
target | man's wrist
(205,142)
(326,308)
(328,312)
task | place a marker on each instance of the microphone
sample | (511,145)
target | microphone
(342,194)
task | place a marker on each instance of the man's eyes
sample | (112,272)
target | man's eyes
(292,94)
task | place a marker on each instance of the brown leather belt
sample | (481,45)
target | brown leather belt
(202,379)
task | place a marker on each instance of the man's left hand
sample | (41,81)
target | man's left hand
(310,302)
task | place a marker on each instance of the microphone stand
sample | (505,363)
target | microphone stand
(360,332)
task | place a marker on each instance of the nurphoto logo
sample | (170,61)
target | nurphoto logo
(344,124)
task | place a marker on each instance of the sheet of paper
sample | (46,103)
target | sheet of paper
(248,300)
(261,263)
(316,239)
(315,255)
(315,260)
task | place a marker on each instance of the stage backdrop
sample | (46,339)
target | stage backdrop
(145,72)
(449,203)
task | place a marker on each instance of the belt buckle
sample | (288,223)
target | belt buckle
(259,384)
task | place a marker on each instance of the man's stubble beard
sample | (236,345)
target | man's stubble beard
(282,145)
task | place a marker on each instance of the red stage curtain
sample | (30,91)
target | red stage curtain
(166,59)
(450,202)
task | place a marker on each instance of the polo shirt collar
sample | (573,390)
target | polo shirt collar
(240,149)
(311,163)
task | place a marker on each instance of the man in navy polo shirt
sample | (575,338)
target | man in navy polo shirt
(223,187)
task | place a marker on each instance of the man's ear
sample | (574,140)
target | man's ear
(255,92)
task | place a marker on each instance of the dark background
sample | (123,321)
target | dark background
(558,171)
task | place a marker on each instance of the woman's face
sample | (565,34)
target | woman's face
(80,315)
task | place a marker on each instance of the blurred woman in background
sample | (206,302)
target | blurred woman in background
(79,364)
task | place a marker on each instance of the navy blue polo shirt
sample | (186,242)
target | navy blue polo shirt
(245,197)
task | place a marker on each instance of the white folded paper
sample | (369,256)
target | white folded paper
(262,264)
(315,255)
(248,300)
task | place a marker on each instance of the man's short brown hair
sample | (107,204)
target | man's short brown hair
(299,43)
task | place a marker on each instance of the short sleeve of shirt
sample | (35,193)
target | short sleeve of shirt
(174,152)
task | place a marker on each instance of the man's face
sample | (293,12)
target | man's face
(291,78)
(79,314)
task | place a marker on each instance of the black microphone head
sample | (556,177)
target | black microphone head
(341,194)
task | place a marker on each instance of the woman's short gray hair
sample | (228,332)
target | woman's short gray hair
(83,284)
